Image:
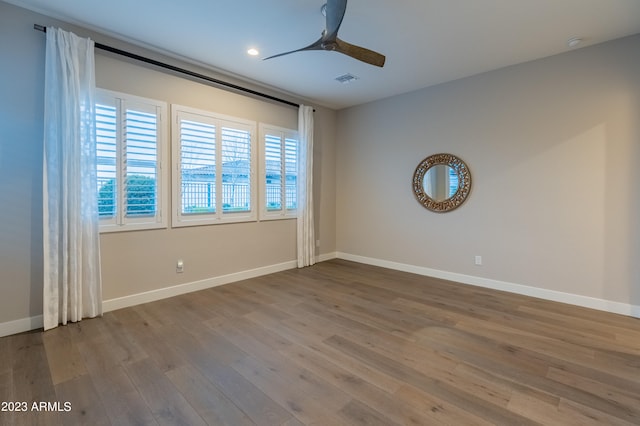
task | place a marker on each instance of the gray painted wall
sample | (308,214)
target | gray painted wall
(553,147)
(141,261)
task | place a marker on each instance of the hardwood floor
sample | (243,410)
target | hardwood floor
(340,343)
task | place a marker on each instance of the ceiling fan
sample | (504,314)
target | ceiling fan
(334,11)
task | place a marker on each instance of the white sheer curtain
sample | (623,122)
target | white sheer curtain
(72,282)
(306,235)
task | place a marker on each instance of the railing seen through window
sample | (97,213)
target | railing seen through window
(276,148)
(215,166)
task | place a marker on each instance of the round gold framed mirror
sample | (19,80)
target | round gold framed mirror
(441,182)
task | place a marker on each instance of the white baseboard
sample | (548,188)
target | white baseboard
(163,293)
(325,257)
(541,293)
(21,325)
(36,322)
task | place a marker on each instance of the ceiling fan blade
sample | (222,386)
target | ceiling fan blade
(316,45)
(335,11)
(360,53)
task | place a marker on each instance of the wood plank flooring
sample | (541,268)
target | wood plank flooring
(339,343)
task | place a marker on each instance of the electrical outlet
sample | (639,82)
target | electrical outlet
(179,266)
(478,260)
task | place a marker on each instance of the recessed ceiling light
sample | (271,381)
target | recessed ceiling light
(574,42)
(253,51)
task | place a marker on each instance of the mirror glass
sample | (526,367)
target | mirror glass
(441,182)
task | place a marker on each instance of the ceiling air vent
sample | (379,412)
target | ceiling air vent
(346,78)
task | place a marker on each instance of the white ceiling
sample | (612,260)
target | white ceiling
(426,42)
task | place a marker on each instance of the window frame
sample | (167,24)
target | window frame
(220,121)
(284,134)
(121,102)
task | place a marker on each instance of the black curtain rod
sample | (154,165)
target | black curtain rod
(181,70)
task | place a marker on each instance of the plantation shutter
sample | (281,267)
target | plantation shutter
(129,157)
(291,172)
(213,158)
(279,159)
(106,156)
(273,172)
(236,170)
(197,167)
(141,163)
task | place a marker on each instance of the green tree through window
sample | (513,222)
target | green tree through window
(141,197)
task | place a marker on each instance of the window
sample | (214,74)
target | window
(279,160)
(130,156)
(214,166)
